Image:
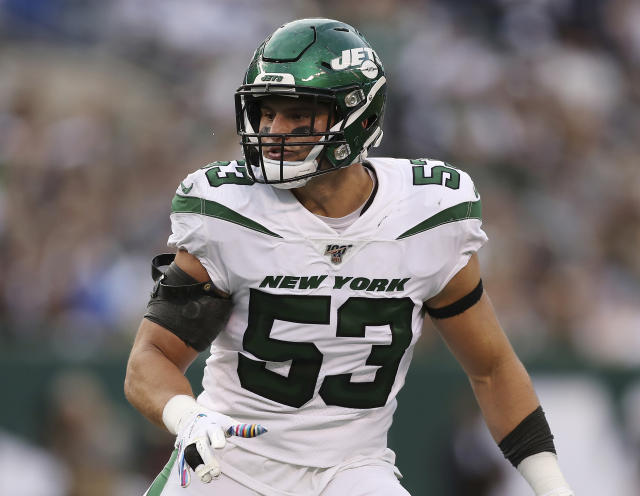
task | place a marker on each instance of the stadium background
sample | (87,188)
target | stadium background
(105,106)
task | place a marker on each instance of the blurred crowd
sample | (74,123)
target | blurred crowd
(106,106)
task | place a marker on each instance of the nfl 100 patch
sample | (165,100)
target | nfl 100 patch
(336,252)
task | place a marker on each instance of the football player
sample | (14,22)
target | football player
(307,269)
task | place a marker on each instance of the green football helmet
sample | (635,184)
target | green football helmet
(325,62)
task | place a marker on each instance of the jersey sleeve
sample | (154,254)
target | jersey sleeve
(463,235)
(444,223)
(193,232)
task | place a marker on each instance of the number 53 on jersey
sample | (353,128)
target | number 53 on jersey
(353,317)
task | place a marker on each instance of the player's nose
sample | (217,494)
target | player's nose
(280,124)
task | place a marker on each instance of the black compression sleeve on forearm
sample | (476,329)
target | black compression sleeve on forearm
(457,307)
(529,437)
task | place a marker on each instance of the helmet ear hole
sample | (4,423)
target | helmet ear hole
(369,121)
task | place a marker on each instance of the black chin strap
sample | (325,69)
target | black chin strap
(374,176)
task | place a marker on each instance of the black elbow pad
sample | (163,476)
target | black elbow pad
(191,310)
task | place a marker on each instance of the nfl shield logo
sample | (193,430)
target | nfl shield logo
(336,252)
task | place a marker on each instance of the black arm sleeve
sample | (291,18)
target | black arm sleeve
(189,309)
(529,437)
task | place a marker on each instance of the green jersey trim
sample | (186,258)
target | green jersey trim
(461,211)
(194,205)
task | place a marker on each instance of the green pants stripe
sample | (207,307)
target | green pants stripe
(162,478)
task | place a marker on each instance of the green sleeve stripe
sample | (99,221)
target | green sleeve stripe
(193,205)
(161,480)
(461,211)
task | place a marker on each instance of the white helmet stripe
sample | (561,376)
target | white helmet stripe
(352,117)
(376,87)
(372,138)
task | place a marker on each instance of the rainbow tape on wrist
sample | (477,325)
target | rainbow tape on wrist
(246,430)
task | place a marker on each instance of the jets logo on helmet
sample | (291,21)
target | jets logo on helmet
(369,69)
(327,63)
(281,78)
(355,57)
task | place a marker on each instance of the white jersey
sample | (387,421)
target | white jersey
(323,324)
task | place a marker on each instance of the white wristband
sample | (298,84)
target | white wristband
(543,474)
(176,409)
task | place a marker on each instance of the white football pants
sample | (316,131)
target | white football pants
(354,479)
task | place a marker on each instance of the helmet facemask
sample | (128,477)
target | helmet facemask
(330,148)
(256,142)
